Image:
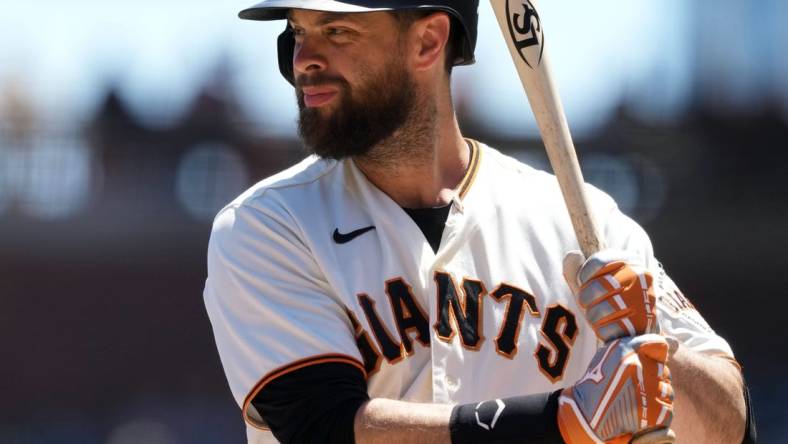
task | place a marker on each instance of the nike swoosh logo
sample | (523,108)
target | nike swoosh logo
(343,238)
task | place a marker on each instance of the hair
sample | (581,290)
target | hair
(406,17)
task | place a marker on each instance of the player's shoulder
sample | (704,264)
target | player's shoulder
(259,196)
(511,166)
(308,171)
(264,206)
(520,176)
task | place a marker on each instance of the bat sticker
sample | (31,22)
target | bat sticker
(525,28)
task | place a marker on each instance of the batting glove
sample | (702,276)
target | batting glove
(616,294)
(625,394)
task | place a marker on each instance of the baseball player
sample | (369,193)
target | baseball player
(406,284)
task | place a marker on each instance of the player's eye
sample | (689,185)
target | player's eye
(335,31)
(298,35)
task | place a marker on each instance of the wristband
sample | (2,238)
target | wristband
(531,419)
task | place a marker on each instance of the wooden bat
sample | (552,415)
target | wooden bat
(522,29)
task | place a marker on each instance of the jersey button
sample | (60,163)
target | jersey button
(452,383)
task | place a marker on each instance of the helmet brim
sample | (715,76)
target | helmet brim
(277,9)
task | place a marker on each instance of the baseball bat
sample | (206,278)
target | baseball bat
(522,30)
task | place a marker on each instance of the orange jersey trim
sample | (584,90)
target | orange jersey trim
(289,368)
(473,169)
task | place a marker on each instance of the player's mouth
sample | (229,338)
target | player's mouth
(316,96)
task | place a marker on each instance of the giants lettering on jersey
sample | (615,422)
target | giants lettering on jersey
(459,317)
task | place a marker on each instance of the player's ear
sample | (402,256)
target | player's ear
(431,35)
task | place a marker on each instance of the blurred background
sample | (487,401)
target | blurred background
(125,126)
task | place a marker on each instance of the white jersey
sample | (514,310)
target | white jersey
(297,277)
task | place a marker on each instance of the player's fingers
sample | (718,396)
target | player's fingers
(609,323)
(664,405)
(666,394)
(665,373)
(609,332)
(650,345)
(595,309)
(605,312)
(673,345)
(572,263)
(654,349)
(595,291)
(603,262)
(653,352)
(662,435)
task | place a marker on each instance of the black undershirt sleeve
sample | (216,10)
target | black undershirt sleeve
(313,404)
(319,404)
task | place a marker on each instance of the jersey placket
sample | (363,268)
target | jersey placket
(462,221)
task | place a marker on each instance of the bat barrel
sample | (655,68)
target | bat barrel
(522,30)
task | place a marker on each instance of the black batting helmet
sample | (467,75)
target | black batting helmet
(463,12)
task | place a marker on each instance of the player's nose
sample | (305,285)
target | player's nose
(308,57)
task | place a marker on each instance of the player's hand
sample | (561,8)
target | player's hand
(616,293)
(625,395)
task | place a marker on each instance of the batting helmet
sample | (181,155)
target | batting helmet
(463,12)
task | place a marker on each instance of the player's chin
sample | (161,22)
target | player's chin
(321,110)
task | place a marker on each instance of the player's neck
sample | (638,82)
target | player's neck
(425,161)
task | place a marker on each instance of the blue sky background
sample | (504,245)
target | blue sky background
(65,54)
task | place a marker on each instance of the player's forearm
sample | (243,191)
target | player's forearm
(389,421)
(709,405)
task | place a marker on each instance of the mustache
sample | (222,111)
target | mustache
(305,80)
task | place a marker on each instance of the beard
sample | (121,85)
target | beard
(365,116)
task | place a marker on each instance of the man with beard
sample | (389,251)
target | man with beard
(405,284)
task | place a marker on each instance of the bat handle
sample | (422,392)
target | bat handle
(587,233)
(567,171)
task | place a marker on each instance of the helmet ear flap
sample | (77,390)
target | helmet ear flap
(286,48)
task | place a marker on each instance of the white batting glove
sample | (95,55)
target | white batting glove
(616,293)
(626,393)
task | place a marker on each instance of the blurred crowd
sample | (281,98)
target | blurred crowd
(104,230)
(104,223)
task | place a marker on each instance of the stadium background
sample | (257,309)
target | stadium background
(125,126)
